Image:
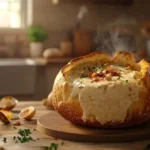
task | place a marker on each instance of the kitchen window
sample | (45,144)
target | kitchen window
(12,13)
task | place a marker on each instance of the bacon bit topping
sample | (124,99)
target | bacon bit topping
(97,75)
(128,68)
(107,71)
(96,79)
(101,72)
(113,73)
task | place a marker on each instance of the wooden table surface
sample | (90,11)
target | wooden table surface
(8,132)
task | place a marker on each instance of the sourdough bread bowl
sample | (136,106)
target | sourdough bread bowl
(99,91)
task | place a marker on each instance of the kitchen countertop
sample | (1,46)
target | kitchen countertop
(8,132)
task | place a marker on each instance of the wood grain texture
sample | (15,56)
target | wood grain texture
(54,125)
(9,132)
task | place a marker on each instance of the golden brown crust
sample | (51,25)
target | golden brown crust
(96,56)
(70,108)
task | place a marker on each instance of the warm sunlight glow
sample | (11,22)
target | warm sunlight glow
(10,13)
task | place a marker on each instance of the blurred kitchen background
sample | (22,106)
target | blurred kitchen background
(38,37)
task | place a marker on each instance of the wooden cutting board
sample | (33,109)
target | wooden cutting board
(54,125)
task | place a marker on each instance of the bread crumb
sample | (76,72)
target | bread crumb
(16,123)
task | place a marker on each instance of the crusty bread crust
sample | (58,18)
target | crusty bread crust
(70,108)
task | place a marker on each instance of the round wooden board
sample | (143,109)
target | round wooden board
(54,125)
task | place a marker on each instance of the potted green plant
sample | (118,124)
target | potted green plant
(37,35)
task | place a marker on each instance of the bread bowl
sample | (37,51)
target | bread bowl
(100,91)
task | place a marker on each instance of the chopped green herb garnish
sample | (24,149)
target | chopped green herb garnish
(24,139)
(24,132)
(45,147)
(53,146)
(96,69)
(15,127)
(24,136)
(62,143)
(83,75)
(102,69)
(4,140)
(118,78)
(126,81)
